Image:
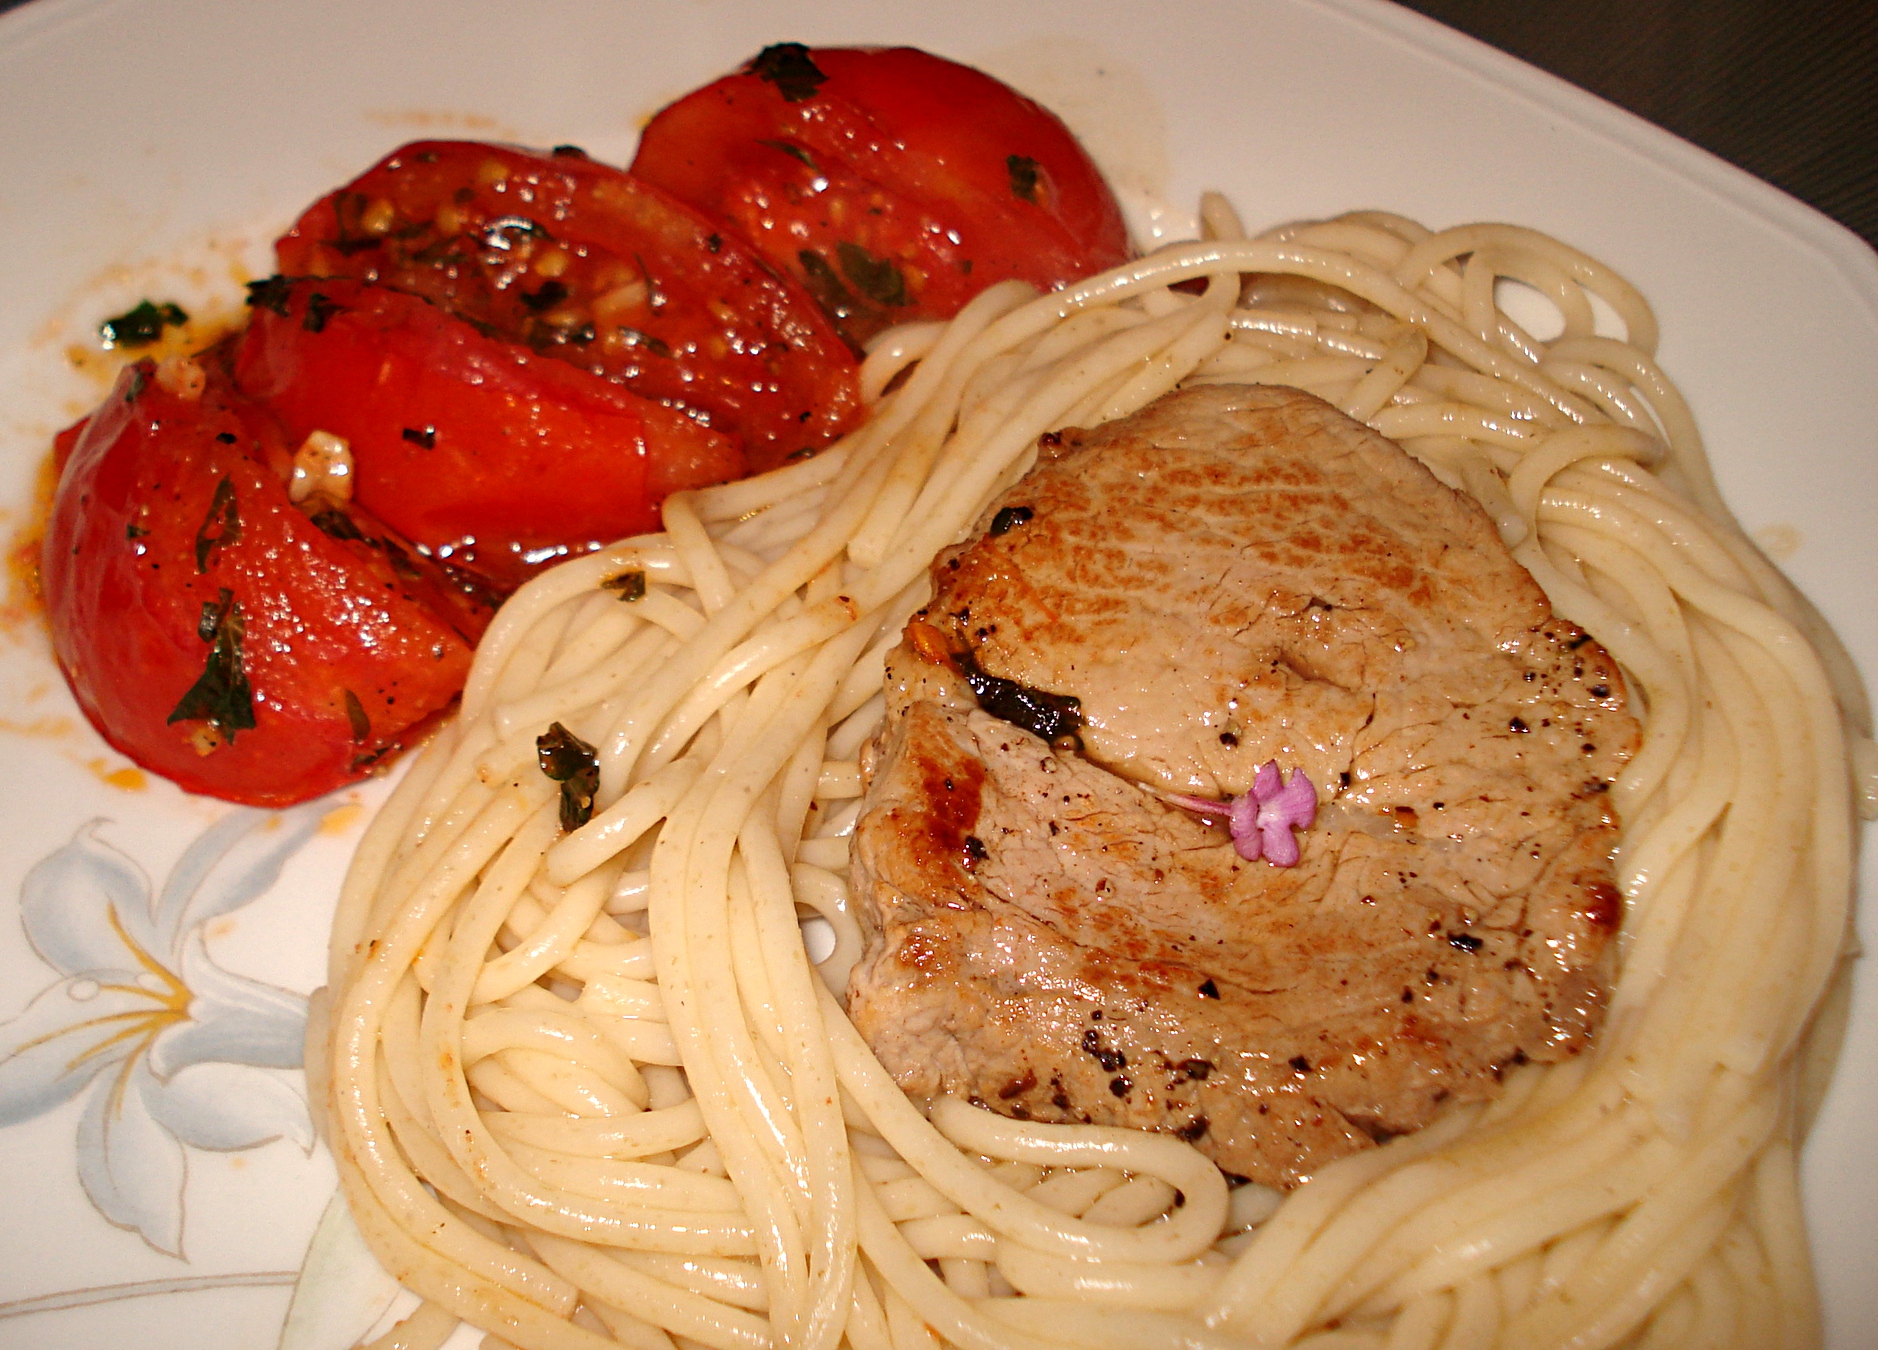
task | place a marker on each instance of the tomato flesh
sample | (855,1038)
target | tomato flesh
(215,633)
(583,263)
(491,457)
(894,184)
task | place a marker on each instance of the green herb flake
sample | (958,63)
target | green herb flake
(141,326)
(788,66)
(1025,176)
(571,762)
(793,151)
(337,524)
(628,585)
(425,438)
(365,760)
(271,294)
(221,695)
(221,527)
(355,714)
(134,531)
(551,294)
(825,285)
(657,346)
(319,308)
(876,278)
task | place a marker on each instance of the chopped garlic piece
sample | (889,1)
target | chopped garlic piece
(183,376)
(322,467)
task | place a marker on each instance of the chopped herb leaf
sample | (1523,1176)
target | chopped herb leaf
(638,339)
(570,152)
(225,437)
(655,293)
(876,278)
(349,209)
(141,326)
(1008,518)
(551,294)
(270,294)
(134,531)
(787,65)
(221,696)
(371,757)
(220,527)
(630,585)
(570,761)
(1043,714)
(793,151)
(319,308)
(1024,176)
(825,285)
(337,524)
(355,714)
(714,242)
(401,562)
(425,437)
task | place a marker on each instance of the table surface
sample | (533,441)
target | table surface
(1786,89)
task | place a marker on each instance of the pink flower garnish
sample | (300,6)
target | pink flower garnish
(1261,820)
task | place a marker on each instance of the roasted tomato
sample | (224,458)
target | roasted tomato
(216,633)
(581,262)
(894,184)
(489,456)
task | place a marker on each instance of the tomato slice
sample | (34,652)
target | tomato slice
(215,633)
(489,456)
(894,184)
(583,263)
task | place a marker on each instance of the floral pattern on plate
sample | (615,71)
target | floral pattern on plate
(173,1049)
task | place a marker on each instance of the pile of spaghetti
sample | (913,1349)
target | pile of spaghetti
(587,1086)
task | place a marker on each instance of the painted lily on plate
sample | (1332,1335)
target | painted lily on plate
(171,1048)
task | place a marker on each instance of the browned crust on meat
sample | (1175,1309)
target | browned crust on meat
(1236,575)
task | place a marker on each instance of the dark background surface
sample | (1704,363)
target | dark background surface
(1786,89)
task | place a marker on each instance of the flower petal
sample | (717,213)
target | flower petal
(232,1019)
(1244,817)
(130,1166)
(79,903)
(1267,783)
(228,1106)
(66,1035)
(231,864)
(1281,846)
(1298,802)
(342,1289)
(1247,845)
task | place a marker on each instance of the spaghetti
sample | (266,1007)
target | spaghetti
(587,1087)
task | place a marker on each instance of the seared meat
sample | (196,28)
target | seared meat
(1235,575)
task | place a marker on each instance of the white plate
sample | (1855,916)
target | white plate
(149,148)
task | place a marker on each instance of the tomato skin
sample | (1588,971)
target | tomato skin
(321,615)
(934,167)
(479,450)
(587,265)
